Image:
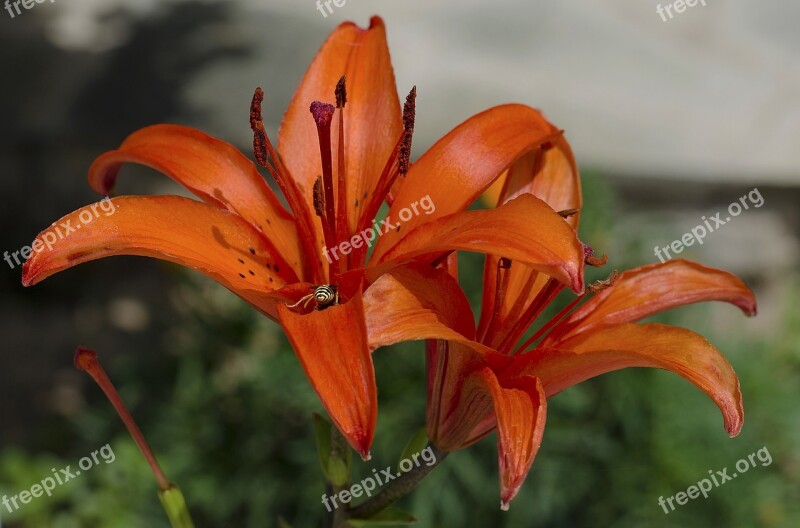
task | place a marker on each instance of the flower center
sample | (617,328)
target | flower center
(330,196)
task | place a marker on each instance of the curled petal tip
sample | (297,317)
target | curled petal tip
(576,279)
(504,505)
(362,445)
(734,425)
(27,280)
(578,285)
(29,276)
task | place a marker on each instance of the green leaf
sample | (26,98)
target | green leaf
(283,524)
(175,506)
(334,454)
(388,517)
(415,444)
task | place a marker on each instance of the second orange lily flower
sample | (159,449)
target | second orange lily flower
(482,379)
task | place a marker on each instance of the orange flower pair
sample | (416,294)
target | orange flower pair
(335,167)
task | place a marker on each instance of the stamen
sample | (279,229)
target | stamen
(516,309)
(378,195)
(319,198)
(409,118)
(600,285)
(591,260)
(87,361)
(390,174)
(341,189)
(341,92)
(566,213)
(551,288)
(259,134)
(501,286)
(264,151)
(319,209)
(550,324)
(557,325)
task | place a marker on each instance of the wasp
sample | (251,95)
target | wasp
(325,295)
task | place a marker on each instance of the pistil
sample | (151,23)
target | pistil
(323,117)
(87,361)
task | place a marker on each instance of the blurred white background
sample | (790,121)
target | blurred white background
(713,93)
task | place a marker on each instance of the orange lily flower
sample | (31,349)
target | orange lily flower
(480,379)
(335,168)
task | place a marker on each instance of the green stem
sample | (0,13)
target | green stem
(339,449)
(175,506)
(397,489)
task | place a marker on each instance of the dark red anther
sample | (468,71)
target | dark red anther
(341,92)
(409,118)
(257,126)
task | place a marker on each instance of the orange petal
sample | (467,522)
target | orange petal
(548,173)
(524,230)
(417,302)
(521,408)
(460,166)
(652,289)
(373,120)
(454,407)
(608,348)
(212,170)
(332,347)
(215,242)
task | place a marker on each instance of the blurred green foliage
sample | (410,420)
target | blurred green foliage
(227,409)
